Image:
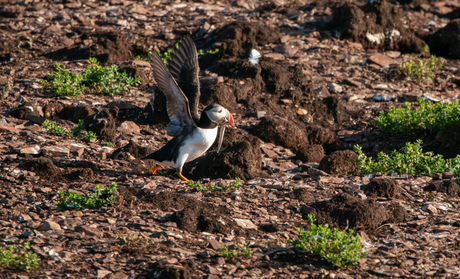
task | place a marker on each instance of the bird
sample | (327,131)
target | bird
(193,133)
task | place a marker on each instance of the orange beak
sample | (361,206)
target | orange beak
(230,119)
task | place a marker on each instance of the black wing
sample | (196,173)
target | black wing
(184,68)
(176,102)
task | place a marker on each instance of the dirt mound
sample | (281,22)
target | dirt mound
(203,217)
(219,94)
(382,187)
(446,41)
(106,46)
(375,25)
(450,187)
(45,168)
(281,132)
(240,37)
(310,153)
(340,162)
(240,157)
(164,270)
(325,137)
(345,211)
(103,124)
(134,149)
(75,112)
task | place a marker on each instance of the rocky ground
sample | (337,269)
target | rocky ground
(327,70)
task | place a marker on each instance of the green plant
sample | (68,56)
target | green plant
(16,258)
(107,143)
(166,55)
(336,247)
(63,83)
(421,71)
(80,127)
(411,161)
(90,136)
(100,198)
(54,129)
(213,187)
(212,51)
(95,78)
(428,116)
(237,251)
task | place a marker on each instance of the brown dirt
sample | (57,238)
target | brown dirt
(314,94)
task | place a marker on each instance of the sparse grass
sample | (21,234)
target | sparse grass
(237,250)
(16,258)
(95,79)
(428,116)
(338,248)
(213,187)
(100,198)
(411,161)
(107,143)
(90,136)
(166,56)
(421,71)
(54,129)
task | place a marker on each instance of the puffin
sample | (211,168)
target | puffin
(193,133)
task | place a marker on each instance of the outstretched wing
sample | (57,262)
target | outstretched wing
(184,68)
(176,102)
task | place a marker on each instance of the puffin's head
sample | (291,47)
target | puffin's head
(219,115)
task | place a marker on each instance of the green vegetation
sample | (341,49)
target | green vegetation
(107,81)
(63,83)
(213,187)
(54,129)
(421,71)
(16,258)
(100,198)
(212,51)
(165,56)
(428,116)
(95,79)
(238,251)
(336,247)
(411,161)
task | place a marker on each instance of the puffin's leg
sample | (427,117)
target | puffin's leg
(179,164)
(183,177)
(155,169)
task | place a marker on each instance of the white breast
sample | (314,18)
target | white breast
(198,143)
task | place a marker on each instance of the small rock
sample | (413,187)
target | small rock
(245,224)
(34,150)
(55,151)
(7,128)
(381,60)
(129,127)
(335,88)
(214,244)
(430,209)
(49,226)
(102,273)
(89,230)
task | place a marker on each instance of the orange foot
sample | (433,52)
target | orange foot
(155,169)
(183,177)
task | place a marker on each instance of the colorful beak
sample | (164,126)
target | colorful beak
(230,119)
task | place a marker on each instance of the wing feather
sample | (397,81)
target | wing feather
(184,68)
(176,102)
